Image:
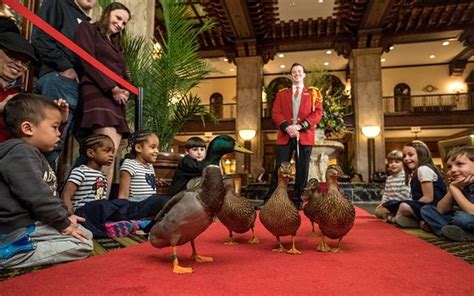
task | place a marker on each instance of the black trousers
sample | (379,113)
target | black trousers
(98,212)
(285,153)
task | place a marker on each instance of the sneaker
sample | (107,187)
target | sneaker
(406,222)
(140,224)
(118,229)
(456,233)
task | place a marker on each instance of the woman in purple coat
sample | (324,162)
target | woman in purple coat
(103,101)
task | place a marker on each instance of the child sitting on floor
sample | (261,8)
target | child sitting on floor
(137,175)
(453,217)
(426,184)
(395,188)
(86,191)
(35,226)
(190,166)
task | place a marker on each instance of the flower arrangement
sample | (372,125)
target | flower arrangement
(335,100)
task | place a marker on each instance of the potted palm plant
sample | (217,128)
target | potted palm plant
(167,73)
(167,69)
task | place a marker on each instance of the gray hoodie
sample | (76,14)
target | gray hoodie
(28,189)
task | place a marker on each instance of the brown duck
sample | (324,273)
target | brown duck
(237,214)
(335,213)
(313,196)
(188,214)
(279,215)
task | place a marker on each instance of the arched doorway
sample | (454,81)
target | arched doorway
(216,104)
(402,95)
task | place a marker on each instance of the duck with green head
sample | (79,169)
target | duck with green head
(190,212)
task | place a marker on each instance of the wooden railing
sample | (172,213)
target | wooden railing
(429,103)
(402,104)
(224,111)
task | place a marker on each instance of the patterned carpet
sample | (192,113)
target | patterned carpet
(464,251)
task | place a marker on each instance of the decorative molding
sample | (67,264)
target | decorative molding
(429,88)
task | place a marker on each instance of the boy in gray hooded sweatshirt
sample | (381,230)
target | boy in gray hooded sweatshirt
(35,227)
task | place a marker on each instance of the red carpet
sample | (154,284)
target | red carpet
(378,259)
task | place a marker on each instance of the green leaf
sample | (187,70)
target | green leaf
(168,78)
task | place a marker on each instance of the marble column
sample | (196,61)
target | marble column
(142,22)
(249,108)
(366,79)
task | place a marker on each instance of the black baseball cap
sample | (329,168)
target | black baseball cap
(16,43)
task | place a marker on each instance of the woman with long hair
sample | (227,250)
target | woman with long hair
(103,102)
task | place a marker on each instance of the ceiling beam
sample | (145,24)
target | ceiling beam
(375,14)
(239,17)
(423,36)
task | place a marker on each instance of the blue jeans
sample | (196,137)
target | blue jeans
(55,86)
(436,220)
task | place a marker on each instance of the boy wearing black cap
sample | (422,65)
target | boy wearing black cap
(16,55)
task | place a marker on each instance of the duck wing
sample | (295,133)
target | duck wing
(183,221)
(173,201)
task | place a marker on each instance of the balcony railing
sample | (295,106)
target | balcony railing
(429,103)
(401,104)
(224,111)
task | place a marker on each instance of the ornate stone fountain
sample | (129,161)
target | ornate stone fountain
(321,152)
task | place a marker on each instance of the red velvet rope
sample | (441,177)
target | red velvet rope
(40,23)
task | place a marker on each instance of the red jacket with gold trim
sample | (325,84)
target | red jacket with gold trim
(309,114)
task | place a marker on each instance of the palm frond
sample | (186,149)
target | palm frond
(168,79)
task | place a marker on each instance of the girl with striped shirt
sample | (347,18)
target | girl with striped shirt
(137,176)
(86,190)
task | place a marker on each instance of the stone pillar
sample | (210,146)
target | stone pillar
(142,22)
(249,108)
(366,78)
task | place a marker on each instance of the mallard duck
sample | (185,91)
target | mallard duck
(188,214)
(217,148)
(279,215)
(237,214)
(336,214)
(313,195)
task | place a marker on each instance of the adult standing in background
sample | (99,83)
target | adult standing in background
(103,101)
(16,55)
(296,111)
(58,74)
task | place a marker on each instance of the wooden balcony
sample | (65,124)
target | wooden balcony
(429,103)
(421,110)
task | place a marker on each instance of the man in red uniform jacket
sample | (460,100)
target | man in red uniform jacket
(296,111)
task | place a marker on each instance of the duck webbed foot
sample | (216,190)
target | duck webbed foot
(323,246)
(280,248)
(254,240)
(202,259)
(199,258)
(176,267)
(293,249)
(231,241)
(337,248)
